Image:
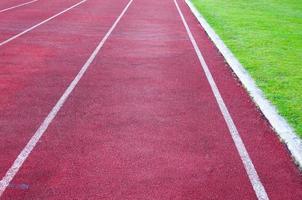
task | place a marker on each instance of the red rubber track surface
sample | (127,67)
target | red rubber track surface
(142,123)
(15,21)
(37,67)
(10,3)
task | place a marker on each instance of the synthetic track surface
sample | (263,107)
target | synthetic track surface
(142,123)
(17,6)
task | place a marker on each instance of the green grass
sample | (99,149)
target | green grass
(266,36)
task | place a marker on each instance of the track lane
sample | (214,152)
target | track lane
(16,21)
(38,67)
(241,149)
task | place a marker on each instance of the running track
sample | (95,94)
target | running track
(142,122)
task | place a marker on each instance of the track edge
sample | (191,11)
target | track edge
(285,132)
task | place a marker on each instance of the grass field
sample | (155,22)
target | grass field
(266,36)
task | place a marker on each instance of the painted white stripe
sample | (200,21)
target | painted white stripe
(17,6)
(246,160)
(50,117)
(280,125)
(41,23)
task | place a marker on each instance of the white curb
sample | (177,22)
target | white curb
(280,125)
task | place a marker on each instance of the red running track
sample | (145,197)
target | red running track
(15,21)
(142,123)
(5,4)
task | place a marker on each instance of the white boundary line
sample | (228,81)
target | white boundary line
(17,6)
(41,23)
(280,125)
(246,160)
(50,117)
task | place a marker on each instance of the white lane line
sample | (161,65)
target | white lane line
(12,171)
(246,160)
(41,23)
(17,6)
